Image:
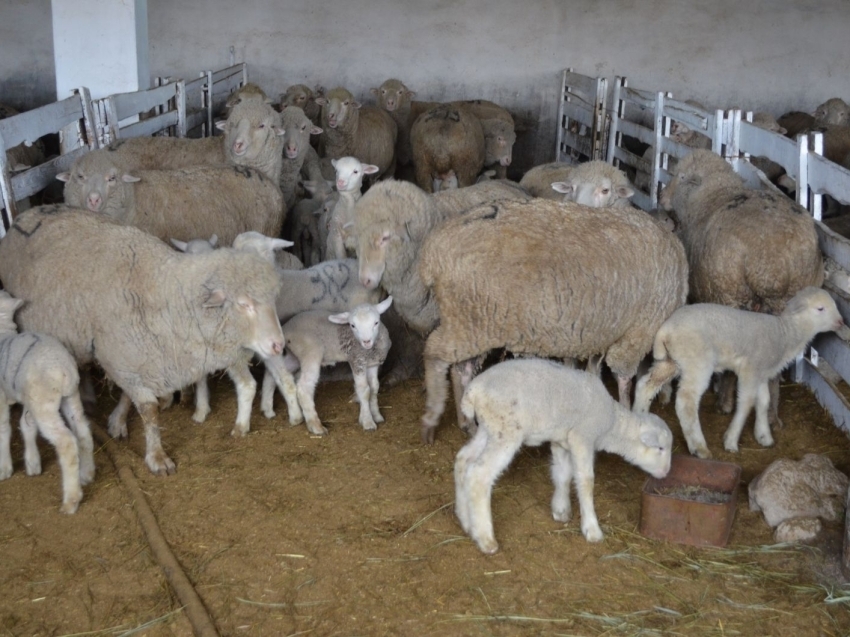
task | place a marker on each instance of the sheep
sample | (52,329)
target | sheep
(832,111)
(397,100)
(448,181)
(365,132)
(532,401)
(304,98)
(319,338)
(25,155)
(771,169)
(447,138)
(303,224)
(748,249)
(597,184)
(296,129)
(248,92)
(547,279)
(39,373)
(349,179)
(154,319)
(179,204)
(499,134)
(538,181)
(699,340)
(196,246)
(392,220)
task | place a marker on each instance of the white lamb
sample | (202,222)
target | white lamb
(531,401)
(318,338)
(701,339)
(38,372)
(350,172)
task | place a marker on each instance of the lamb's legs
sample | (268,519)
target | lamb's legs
(32,459)
(267,394)
(624,386)
(156,459)
(762,428)
(583,464)
(202,400)
(305,390)
(747,394)
(246,389)
(374,386)
(692,386)
(117,423)
(435,399)
(53,428)
(5,440)
(361,387)
(594,366)
(726,393)
(660,375)
(773,413)
(462,373)
(285,381)
(468,453)
(562,477)
(72,409)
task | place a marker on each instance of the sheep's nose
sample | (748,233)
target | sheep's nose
(94,202)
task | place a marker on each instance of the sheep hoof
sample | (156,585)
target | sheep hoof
(160,464)
(488,545)
(86,475)
(705,454)
(117,429)
(730,445)
(561,515)
(593,533)
(33,468)
(378,418)
(71,504)
(776,422)
(240,431)
(296,420)
(200,416)
(369,426)
(5,472)
(428,434)
(317,429)
(765,440)
(269,413)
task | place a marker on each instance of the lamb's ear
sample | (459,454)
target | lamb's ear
(624,192)
(562,187)
(220,124)
(373,91)
(340,319)
(216,298)
(280,244)
(384,305)
(649,438)
(355,104)
(127,178)
(64,177)
(278,131)
(315,130)
(370,169)
(411,94)
(333,162)
(321,101)
(781,130)
(214,240)
(180,245)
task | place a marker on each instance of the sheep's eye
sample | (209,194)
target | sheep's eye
(605,191)
(383,91)
(356,172)
(304,127)
(262,126)
(81,177)
(111,179)
(345,103)
(820,308)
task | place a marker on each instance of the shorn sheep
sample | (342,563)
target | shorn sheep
(699,340)
(532,401)
(547,279)
(156,320)
(39,373)
(318,338)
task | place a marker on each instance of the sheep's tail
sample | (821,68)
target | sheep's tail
(663,371)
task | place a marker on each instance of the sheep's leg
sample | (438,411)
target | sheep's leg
(624,386)
(692,386)
(594,366)
(762,428)
(746,397)
(285,381)
(72,409)
(156,459)
(726,393)
(562,477)
(660,375)
(435,399)
(117,423)
(462,374)
(5,440)
(246,389)
(361,387)
(165,402)
(53,428)
(583,461)
(374,385)
(306,388)
(480,477)
(202,400)
(32,459)
(773,413)
(468,454)
(267,395)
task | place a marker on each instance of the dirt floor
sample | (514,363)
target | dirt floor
(354,534)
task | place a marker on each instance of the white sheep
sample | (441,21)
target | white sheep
(318,338)
(532,401)
(295,129)
(38,372)
(597,184)
(699,340)
(350,172)
(538,180)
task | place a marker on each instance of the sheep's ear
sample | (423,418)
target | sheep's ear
(315,130)
(280,244)
(9,304)
(220,124)
(180,245)
(384,305)
(214,240)
(692,179)
(370,169)
(562,187)
(340,319)
(321,101)
(216,298)
(355,104)
(130,179)
(373,91)
(624,192)
(278,131)
(411,94)
(268,100)
(20,168)
(333,162)
(64,177)
(781,130)
(649,438)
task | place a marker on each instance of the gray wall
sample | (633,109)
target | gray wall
(722,52)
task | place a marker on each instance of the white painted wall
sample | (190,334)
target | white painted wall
(26,53)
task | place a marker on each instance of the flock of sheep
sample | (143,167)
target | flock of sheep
(431,275)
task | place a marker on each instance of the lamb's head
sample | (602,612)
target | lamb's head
(499,139)
(260,244)
(96,183)
(337,105)
(393,95)
(767,122)
(596,184)
(833,111)
(350,172)
(652,447)
(296,95)
(692,173)
(814,310)
(8,306)
(251,132)
(364,320)
(196,246)
(295,130)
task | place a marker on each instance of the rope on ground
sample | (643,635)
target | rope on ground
(196,612)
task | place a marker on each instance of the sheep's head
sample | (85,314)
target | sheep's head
(372,248)
(393,95)
(296,95)
(350,172)
(814,308)
(833,111)
(364,321)
(596,184)
(337,105)
(259,243)
(295,129)
(249,131)
(96,183)
(653,453)
(196,246)
(499,139)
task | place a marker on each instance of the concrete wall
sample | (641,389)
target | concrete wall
(722,53)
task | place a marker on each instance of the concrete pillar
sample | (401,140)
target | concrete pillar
(101,44)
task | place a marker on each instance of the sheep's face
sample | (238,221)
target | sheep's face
(600,192)
(250,130)
(296,95)
(350,173)
(833,111)
(295,130)
(499,143)
(96,185)
(364,321)
(654,452)
(336,107)
(815,308)
(372,247)
(444,181)
(393,95)
(256,321)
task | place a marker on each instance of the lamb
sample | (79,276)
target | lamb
(447,138)
(319,338)
(526,277)
(154,319)
(538,181)
(499,134)
(296,129)
(699,340)
(196,246)
(25,155)
(397,100)
(532,401)
(365,132)
(304,98)
(349,180)
(40,374)
(597,184)
(179,204)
